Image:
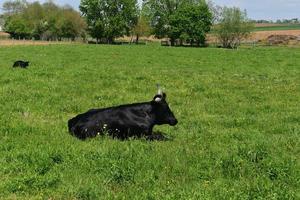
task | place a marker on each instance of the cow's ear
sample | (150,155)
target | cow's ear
(164,95)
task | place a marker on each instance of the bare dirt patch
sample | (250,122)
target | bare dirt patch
(29,42)
(4,34)
(283,40)
(263,35)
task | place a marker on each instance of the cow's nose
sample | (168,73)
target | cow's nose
(173,122)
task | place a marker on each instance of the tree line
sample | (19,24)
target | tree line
(47,21)
(278,21)
(183,22)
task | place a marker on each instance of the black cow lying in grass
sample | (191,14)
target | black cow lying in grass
(132,120)
(22,64)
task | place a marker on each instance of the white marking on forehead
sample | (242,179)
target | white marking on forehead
(157,99)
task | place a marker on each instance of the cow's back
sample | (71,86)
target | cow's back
(118,120)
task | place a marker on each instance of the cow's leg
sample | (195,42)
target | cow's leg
(148,130)
(157,137)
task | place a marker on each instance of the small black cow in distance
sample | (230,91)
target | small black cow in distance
(122,122)
(22,64)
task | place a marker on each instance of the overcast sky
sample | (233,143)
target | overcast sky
(256,9)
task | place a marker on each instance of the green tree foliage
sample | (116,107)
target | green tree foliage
(14,6)
(108,19)
(160,12)
(142,28)
(187,20)
(17,27)
(1,21)
(233,27)
(42,21)
(191,23)
(71,25)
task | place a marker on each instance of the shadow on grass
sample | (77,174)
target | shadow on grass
(159,136)
(156,136)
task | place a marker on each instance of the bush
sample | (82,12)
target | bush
(42,21)
(233,27)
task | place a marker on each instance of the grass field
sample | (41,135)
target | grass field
(278,27)
(238,135)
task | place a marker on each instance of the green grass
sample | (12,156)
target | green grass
(238,135)
(278,28)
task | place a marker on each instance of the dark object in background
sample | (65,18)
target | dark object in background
(125,121)
(22,64)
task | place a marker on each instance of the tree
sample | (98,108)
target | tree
(160,12)
(142,28)
(233,27)
(17,27)
(13,21)
(71,24)
(42,21)
(1,21)
(109,18)
(179,19)
(34,14)
(215,10)
(14,7)
(191,23)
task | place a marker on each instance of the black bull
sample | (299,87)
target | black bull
(131,120)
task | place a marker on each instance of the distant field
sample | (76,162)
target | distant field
(263,31)
(237,137)
(262,35)
(277,27)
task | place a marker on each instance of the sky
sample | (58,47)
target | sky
(256,9)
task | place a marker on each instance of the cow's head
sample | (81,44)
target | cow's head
(162,111)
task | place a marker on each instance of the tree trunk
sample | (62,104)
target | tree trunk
(110,40)
(131,39)
(192,42)
(137,39)
(172,40)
